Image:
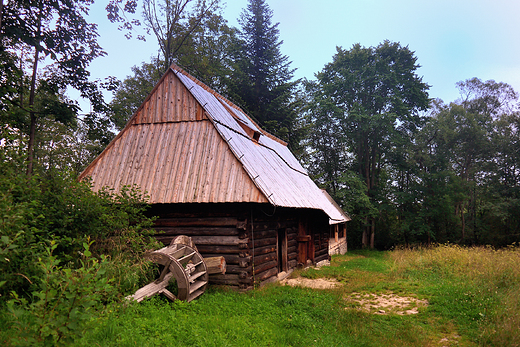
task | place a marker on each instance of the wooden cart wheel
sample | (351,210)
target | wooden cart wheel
(188,268)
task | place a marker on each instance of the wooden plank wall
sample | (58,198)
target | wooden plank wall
(170,101)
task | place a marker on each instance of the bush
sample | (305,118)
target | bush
(66,300)
(37,210)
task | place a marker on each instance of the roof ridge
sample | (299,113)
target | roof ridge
(201,84)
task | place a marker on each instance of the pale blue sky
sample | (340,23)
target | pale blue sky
(453,40)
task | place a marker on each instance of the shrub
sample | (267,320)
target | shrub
(66,300)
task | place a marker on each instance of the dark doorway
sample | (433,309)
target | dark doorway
(282,250)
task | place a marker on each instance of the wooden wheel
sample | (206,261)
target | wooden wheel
(186,265)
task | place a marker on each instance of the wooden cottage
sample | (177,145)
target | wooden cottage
(211,173)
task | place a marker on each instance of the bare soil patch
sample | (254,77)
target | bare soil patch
(387,303)
(318,283)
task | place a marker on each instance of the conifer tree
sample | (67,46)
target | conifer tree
(260,76)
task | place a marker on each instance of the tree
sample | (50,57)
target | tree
(479,130)
(457,180)
(54,30)
(426,189)
(260,76)
(377,96)
(328,156)
(203,54)
(174,21)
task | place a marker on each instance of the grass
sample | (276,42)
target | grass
(472,296)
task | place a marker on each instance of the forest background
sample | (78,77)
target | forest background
(408,168)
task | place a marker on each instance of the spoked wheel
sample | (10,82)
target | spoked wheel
(186,265)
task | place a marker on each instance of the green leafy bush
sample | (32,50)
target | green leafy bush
(65,301)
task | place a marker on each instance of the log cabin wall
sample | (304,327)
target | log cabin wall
(216,229)
(319,228)
(258,241)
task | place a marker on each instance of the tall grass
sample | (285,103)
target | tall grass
(479,285)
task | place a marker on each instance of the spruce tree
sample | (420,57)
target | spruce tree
(260,75)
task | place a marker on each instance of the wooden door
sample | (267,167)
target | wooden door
(305,242)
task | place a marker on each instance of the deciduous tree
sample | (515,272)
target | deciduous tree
(377,96)
(58,32)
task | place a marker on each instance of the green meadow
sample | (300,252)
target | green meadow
(463,297)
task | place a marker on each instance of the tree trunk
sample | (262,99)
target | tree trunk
(364,236)
(32,129)
(463,224)
(372,233)
(1,16)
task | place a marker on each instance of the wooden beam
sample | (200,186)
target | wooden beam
(218,240)
(194,222)
(196,231)
(153,289)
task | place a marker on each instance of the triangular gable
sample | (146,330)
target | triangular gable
(175,155)
(169,101)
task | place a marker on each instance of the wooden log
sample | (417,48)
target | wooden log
(262,242)
(212,249)
(165,240)
(321,252)
(292,255)
(292,249)
(322,257)
(266,274)
(292,231)
(228,279)
(223,282)
(264,234)
(259,226)
(273,224)
(215,265)
(265,249)
(234,259)
(183,240)
(242,224)
(291,264)
(239,278)
(235,269)
(265,258)
(266,266)
(196,231)
(291,242)
(202,222)
(233,277)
